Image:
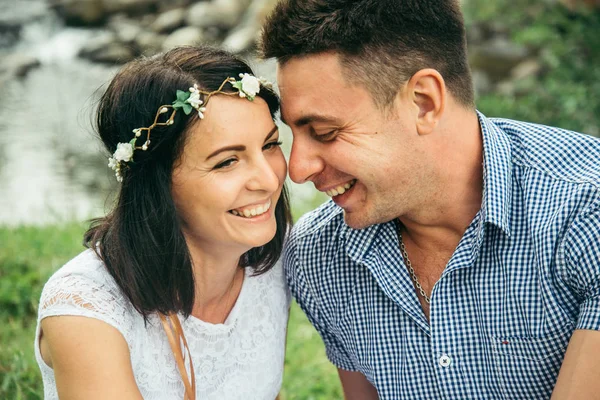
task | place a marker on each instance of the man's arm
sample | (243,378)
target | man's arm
(356,386)
(579,376)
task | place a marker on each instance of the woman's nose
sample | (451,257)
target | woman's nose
(265,176)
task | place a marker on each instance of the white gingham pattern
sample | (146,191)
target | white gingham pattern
(524,276)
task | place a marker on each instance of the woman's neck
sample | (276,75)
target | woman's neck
(218,281)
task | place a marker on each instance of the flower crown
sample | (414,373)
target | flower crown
(247,87)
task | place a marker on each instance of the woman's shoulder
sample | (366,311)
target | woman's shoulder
(84,272)
(84,287)
(270,286)
(86,263)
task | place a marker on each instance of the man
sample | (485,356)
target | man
(460,256)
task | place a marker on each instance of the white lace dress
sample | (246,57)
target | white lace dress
(240,359)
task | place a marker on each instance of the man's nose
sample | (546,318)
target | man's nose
(305,160)
(265,176)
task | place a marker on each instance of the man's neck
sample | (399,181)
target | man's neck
(441,220)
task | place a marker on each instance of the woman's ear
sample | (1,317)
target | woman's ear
(427,91)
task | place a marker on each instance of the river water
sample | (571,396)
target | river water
(52,168)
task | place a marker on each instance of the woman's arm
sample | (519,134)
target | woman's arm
(90,359)
(356,386)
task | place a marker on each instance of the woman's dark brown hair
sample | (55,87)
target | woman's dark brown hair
(141,240)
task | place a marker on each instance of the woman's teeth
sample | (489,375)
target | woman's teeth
(252,212)
(340,189)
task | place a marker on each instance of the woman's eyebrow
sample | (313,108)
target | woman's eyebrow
(239,147)
(271,132)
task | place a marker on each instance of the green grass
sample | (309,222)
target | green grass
(29,255)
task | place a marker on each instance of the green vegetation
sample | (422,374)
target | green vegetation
(567,45)
(28,256)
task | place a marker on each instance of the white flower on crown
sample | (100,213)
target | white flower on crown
(112,163)
(115,165)
(124,152)
(194,98)
(250,85)
(195,101)
(265,83)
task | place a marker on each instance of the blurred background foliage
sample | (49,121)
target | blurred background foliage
(532,60)
(557,79)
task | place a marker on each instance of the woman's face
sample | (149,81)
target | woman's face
(228,180)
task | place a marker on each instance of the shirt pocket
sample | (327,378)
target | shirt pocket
(527,367)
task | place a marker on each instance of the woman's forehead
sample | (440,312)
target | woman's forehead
(229,120)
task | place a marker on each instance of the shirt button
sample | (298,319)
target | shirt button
(445,361)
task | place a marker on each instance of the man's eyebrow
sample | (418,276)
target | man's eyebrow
(238,147)
(310,118)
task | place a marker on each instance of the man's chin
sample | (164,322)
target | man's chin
(357,220)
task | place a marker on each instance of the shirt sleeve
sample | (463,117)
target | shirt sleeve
(308,302)
(582,254)
(91,293)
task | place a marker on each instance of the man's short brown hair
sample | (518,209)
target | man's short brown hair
(381,43)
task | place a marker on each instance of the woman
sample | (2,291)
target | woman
(179,294)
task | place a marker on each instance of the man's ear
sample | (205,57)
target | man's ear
(427,91)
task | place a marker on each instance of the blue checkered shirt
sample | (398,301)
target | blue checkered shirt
(524,276)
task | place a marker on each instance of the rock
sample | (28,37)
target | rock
(475,34)
(526,69)
(115,53)
(259,10)
(149,43)
(107,49)
(146,20)
(575,4)
(201,15)
(481,83)
(17,64)
(164,6)
(126,29)
(221,13)
(169,20)
(244,36)
(506,88)
(212,34)
(137,7)
(241,39)
(497,57)
(190,35)
(81,12)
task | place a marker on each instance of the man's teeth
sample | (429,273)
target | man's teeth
(252,212)
(340,189)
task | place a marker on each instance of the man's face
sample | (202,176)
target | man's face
(362,157)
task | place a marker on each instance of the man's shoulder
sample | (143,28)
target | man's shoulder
(563,154)
(328,217)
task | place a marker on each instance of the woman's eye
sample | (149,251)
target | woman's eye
(225,163)
(271,145)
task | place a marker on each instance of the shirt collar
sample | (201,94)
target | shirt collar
(497,175)
(359,241)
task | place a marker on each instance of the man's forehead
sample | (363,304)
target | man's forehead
(312,67)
